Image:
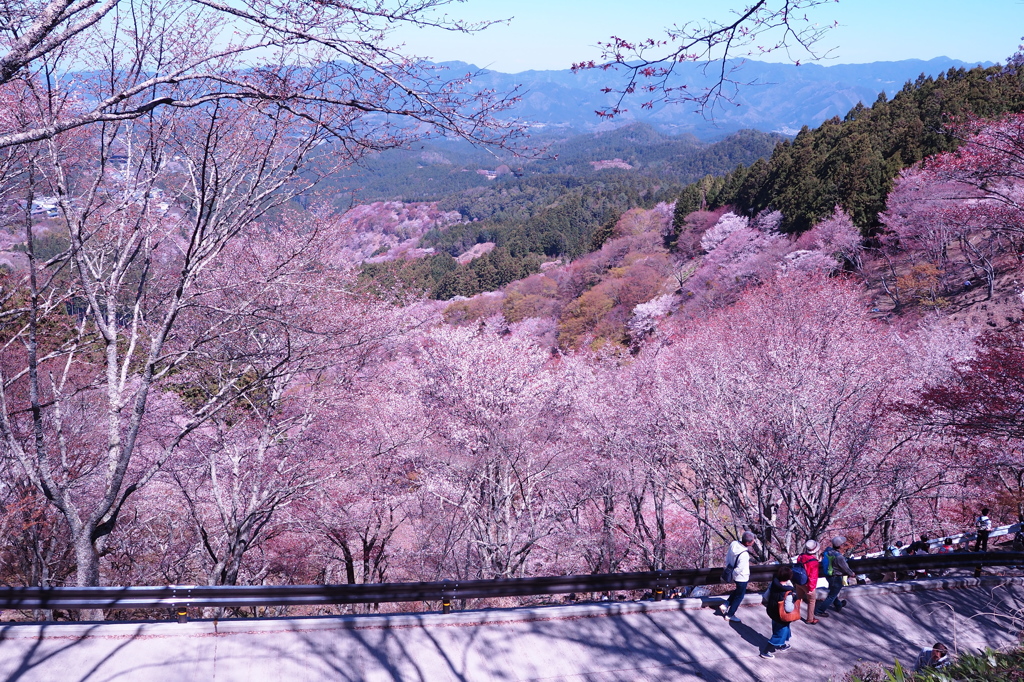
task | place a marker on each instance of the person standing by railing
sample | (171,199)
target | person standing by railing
(737,569)
(984,526)
(895,550)
(919,546)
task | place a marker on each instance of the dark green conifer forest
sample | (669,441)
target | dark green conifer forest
(852,162)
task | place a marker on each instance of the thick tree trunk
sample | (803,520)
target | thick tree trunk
(87,571)
(350,564)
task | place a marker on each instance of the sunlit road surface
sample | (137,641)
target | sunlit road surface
(663,641)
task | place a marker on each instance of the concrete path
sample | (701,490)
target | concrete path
(665,641)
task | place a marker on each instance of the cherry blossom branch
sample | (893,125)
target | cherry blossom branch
(649,64)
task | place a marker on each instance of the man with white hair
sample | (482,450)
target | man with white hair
(834,566)
(737,570)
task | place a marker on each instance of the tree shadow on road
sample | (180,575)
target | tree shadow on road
(597,642)
(749,634)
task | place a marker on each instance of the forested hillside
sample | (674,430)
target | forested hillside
(564,207)
(905,234)
(555,207)
(436,169)
(852,162)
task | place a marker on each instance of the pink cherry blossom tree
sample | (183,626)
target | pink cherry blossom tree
(781,409)
(498,408)
(949,225)
(365,510)
(836,236)
(197,121)
(631,464)
(267,450)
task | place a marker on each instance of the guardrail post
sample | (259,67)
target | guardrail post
(181,610)
(659,586)
(447,592)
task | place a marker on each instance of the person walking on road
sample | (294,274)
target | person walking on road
(808,591)
(984,526)
(834,566)
(737,561)
(777,592)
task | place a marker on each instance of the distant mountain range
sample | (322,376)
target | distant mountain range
(781,97)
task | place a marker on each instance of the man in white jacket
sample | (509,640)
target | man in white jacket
(737,558)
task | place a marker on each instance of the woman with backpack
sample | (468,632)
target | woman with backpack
(776,607)
(807,592)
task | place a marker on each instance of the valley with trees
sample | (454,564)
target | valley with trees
(281,305)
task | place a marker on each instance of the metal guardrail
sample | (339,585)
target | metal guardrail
(964,537)
(659,583)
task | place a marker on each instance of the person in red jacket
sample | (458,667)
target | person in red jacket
(808,593)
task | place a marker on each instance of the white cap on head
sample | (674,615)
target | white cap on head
(810,546)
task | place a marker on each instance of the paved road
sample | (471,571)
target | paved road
(666,641)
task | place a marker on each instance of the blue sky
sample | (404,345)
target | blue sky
(551,34)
